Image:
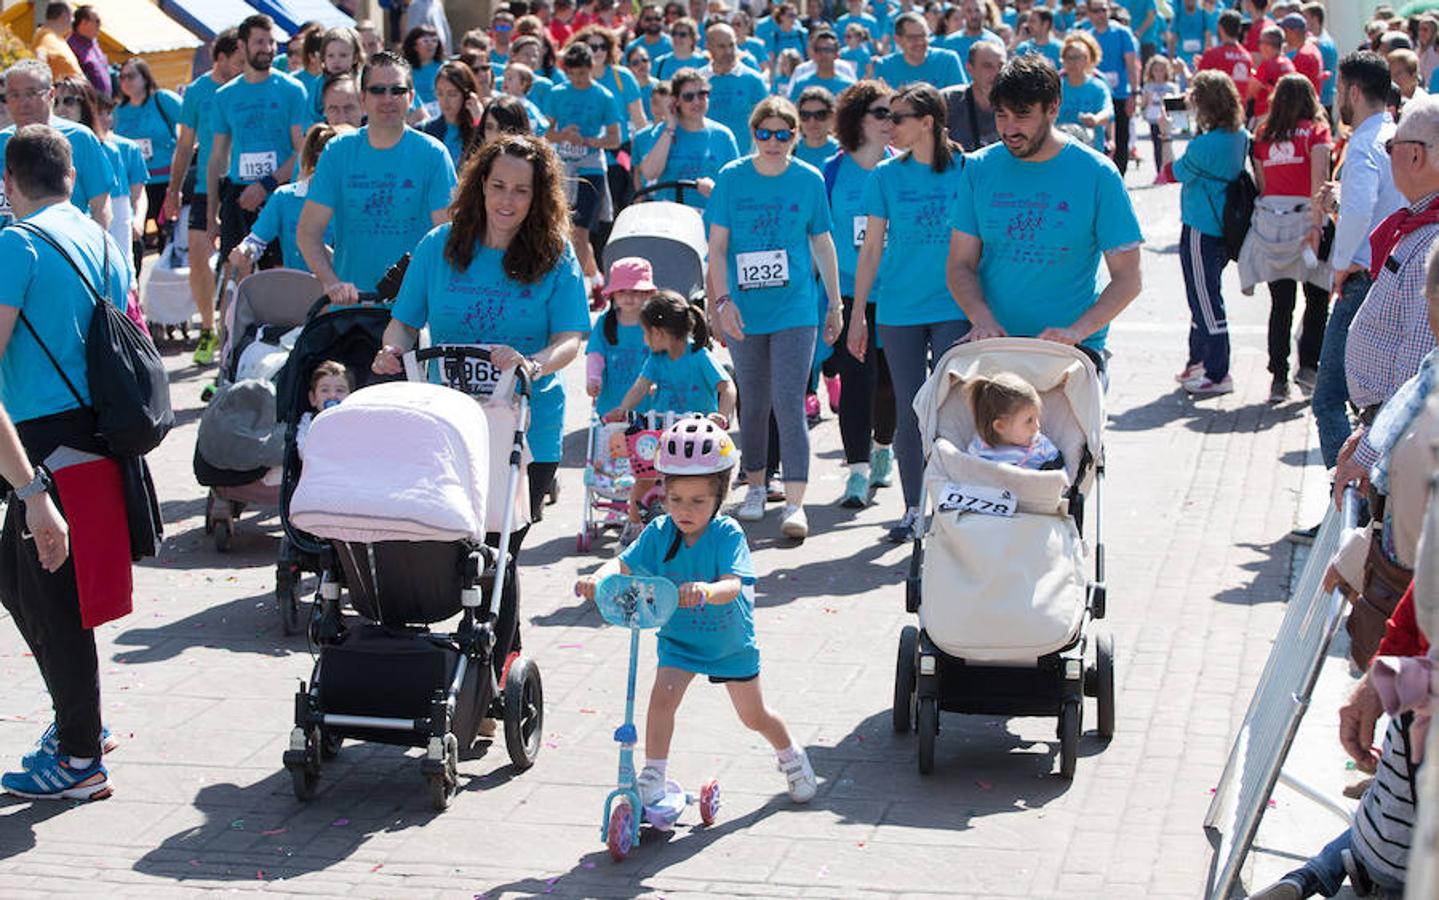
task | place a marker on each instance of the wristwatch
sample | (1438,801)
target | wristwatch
(37,486)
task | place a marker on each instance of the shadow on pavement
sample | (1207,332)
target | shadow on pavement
(1204,416)
(861,574)
(1270,580)
(18,819)
(245,625)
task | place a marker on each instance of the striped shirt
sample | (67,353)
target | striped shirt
(1390,333)
(1384,823)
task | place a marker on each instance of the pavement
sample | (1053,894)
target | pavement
(198,684)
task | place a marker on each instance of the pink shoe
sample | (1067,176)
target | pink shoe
(811,408)
(832,387)
(1191,372)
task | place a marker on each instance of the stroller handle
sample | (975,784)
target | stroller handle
(323,303)
(462,351)
(679,187)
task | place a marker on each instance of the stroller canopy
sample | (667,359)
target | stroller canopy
(401,461)
(671,236)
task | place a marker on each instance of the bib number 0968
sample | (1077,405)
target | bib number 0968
(476,377)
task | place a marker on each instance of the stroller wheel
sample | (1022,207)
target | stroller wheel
(305,767)
(287,598)
(1104,683)
(442,783)
(330,745)
(927,726)
(305,783)
(1071,715)
(709,802)
(904,678)
(222,532)
(210,514)
(524,698)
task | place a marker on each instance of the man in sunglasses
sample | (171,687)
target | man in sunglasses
(824,56)
(651,33)
(259,122)
(734,89)
(384,186)
(502,29)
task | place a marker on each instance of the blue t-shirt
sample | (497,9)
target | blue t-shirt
(733,96)
(1329,53)
(382,200)
(152,127)
(815,156)
(1208,164)
(770,220)
(1049,50)
(593,110)
(540,88)
(846,203)
(452,141)
(685,385)
(42,285)
(1090,97)
(941,68)
(859,56)
(258,118)
(621,82)
(834,85)
(693,155)
(656,48)
(624,360)
(425,81)
(796,39)
(279,219)
(1188,29)
(960,42)
(483,305)
(870,23)
(93,173)
(313,84)
(666,66)
(196,111)
(647,91)
(1139,10)
(916,202)
(1044,227)
(1114,43)
(127,164)
(715,639)
(1063,20)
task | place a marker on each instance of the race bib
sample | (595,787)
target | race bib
(5,210)
(432,109)
(973,498)
(476,377)
(254,166)
(572,152)
(1192,45)
(762,269)
(147,149)
(1112,78)
(861,225)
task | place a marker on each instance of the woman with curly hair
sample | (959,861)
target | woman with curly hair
(501,272)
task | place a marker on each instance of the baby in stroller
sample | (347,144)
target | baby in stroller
(1006,418)
(330,384)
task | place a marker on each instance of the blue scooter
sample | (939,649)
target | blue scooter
(639,604)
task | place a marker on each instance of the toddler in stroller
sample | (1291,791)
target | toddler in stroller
(410,551)
(1006,424)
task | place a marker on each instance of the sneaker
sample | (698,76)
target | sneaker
(881,467)
(832,388)
(774,490)
(800,775)
(1190,373)
(205,349)
(794,524)
(1359,880)
(1286,888)
(856,491)
(907,529)
(630,532)
(54,779)
(1279,390)
(751,509)
(1306,377)
(651,785)
(811,408)
(1204,387)
(1304,536)
(49,745)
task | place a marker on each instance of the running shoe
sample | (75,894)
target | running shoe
(1279,391)
(630,532)
(811,408)
(856,491)
(1191,372)
(751,509)
(908,527)
(800,775)
(1286,888)
(49,745)
(53,778)
(774,490)
(1204,387)
(1305,377)
(205,348)
(832,388)
(794,524)
(651,786)
(881,466)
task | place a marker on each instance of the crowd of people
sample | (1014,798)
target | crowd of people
(876,183)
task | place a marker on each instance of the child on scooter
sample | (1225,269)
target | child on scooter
(712,633)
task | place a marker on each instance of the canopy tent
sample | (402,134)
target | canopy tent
(291,14)
(208,18)
(128,28)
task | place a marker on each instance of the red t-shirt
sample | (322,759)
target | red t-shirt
(1268,74)
(1231,59)
(1251,38)
(1286,163)
(1310,64)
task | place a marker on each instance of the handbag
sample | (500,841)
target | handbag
(1385,581)
(129,389)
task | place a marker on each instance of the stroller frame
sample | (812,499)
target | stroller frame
(516,697)
(603,509)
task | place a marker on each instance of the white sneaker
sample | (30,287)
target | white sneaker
(907,528)
(752,508)
(651,785)
(800,774)
(794,524)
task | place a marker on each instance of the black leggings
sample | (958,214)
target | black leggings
(1281,325)
(1121,136)
(507,622)
(866,402)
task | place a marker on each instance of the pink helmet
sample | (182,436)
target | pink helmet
(695,446)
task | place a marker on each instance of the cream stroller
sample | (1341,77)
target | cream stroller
(1004,604)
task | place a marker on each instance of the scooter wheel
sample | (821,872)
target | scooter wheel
(621,836)
(709,802)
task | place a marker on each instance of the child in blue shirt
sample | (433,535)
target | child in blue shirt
(616,352)
(712,632)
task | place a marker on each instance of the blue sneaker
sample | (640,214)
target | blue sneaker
(856,491)
(881,467)
(49,745)
(54,779)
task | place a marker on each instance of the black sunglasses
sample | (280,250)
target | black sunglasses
(1390,144)
(688,96)
(813,115)
(380,90)
(901,116)
(783,135)
(879,112)
(598,47)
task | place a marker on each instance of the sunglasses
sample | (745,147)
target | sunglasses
(503,27)
(1390,144)
(683,34)
(879,112)
(691,96)
(380,90)
(599,47)
(783,135)
(827,49)
(813,115)
(901,116)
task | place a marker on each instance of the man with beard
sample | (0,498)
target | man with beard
(651,28)
(259,120)
(1034,216)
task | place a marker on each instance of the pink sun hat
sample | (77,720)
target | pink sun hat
(630,274)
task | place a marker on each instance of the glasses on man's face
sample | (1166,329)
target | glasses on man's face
(827,49)
(783,135)
(896,117)
(813,115)
(691,96)
(649,20)
(680,33)
(1390,144)
(33,94)
(394,90)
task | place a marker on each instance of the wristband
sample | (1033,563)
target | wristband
(723,300)
(269,184)
(37,486)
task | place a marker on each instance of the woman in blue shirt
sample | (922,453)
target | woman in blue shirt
(816,127)
(458,98)
(149,116)
(688,146)
(1084,97)
(424,51)
(769,230)
(906,246)
(502,273)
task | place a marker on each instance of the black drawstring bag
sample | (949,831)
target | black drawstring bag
(129,389)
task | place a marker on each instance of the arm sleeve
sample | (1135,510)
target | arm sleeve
(298,105)
(819,218)
(412,304)
(569,308)
(220,123)
(715,375)
(190,110)
(442,178)
(17,261)
(1358,193)
(136,172)
(717,209)
(267,223)
(93,173)
(963,216)
(734,558)
(324,184)
(873,201)
(642,557)
(1116,224)
(169,102)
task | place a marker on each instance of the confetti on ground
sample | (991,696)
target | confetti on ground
(238,824)
(823,871)
(259,874)
(339,823)
(195,863)
(572,646)
(377,867)
(552,745)
(588,865)
(586,711)
(1273,805)
(274,831)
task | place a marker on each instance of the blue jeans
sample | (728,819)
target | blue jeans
(1202,257)
(1325,874)
(1331,390)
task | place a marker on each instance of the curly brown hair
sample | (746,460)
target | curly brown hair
(544,234)
(854,103)
(1216,102)
(612,45)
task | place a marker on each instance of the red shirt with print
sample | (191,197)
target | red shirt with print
(1268,75)
(1231,59)
(1310,64)
(1285,162)
(1251,37)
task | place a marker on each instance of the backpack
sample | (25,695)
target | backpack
(1238,211)
(129,389)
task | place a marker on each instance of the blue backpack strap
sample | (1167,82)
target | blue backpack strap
(831,173)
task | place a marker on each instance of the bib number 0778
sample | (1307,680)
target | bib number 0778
(974,498)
